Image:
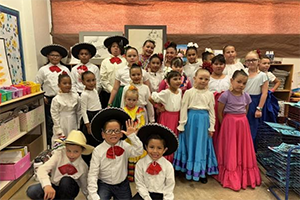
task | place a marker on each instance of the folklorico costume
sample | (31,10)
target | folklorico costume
(78,69)
(108,170)
(155,179)
(185,84)
(47,76)
(66,177)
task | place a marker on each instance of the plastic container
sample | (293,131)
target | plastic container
(26,89)
(7,93)
(16,92)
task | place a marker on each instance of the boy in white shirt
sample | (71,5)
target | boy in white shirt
(107,176)
(68,171)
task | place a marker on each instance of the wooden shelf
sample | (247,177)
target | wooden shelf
(12,140)
(21,98)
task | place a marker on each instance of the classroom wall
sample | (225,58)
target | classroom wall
(35,30)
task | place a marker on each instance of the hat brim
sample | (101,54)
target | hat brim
(170,138)
(105,115)
(88,149)
(122,41)
(54,47)
(77,47)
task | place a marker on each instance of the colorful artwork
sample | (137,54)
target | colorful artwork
(5,79)
(10,31)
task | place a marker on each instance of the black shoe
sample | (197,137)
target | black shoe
(203,180)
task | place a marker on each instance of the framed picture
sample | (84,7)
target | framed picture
(137,35)
(97,39)
(10,31)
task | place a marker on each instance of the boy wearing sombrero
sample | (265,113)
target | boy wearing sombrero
(115,46)
(84,52)
(154,174)
(68,171)
(107,176)
(47,76)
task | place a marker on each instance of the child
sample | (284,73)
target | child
(68,171)
(144,92)
(218,83)
(90,106)
(192,65)
(123,77)
(257,87)
(231,64)
(264,66)
(137,114)
(177,65)
(236,157)
(171,100)
(148,48)
(65,109)
(195,154)
(154,175)
(47,76)
(206,61)
(109,66)
(84,52)
(171,53)
(107,176)
(154,71)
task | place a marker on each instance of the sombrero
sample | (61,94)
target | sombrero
(164,132)
(105,115)
(84,45)
(122,41)
(54,47)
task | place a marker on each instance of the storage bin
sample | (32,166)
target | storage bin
(9,129)
(32,118)
(13,171)
(7,93)
(26,89)
(16,92)
(34,87)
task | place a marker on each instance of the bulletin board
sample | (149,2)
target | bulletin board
(11,33)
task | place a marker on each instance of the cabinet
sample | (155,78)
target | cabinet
(8,188)
(285,93)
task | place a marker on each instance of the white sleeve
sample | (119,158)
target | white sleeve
(146,75)
(97,75)
(78,111)
(169,184)
(93,174)
(271,77)
(82,182)
(183,110)
(56,116)
(159,97)
(74,78)
(150,109)
(104,77)
(84,108)
(122,105)
(140,181)
(40,77)
(211,112)
(136,147)
(43,171)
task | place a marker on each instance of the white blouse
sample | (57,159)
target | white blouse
(198,100)
(219,85)
(163,183)
(155,79)
(76,76)
(49,79)
(230,69)
(190,70)
(89,102)
(108,71)
(254,84)
(171,101)
(123,76)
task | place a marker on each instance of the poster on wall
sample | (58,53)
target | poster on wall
(11,32)
(137,35)
(5,79)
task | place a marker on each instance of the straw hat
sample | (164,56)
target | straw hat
(83,45)
(54,47)
(77,137)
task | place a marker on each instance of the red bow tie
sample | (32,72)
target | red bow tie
(154,168)
(67,169)
(82,67)
(114,151)
(115,60)
(55,69)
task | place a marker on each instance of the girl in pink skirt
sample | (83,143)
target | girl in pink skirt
(235,151)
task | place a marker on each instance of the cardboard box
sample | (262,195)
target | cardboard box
(10,172)
(33,142)
(31,119)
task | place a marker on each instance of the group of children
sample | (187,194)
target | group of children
(214,110)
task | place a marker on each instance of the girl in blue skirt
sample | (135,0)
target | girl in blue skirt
(195,155)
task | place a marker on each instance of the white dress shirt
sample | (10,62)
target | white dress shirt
(108,71)
(170,100)
(143,101)
(58,159)
(219,85)
(198,100)
(155,79)
(111,171)
(76,76)
(163,183)
(89,102)
(49,79)
(123,76)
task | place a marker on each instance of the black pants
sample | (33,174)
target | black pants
(154,196)
(104,98)
(49,122)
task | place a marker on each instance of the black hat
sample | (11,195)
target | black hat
(120,40)
(164,132)
(105,115)
(54,47)
(77,47)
